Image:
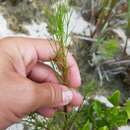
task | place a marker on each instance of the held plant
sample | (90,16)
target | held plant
(58,24)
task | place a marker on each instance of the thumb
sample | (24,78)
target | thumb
(53,95)
(21,96)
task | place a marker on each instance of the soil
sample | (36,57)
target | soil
(22,12)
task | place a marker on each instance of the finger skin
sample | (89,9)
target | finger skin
(77,98)
(47,112)
(73,76)
(69,108)
(43,73)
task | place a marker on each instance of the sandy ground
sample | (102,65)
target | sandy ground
(16,127)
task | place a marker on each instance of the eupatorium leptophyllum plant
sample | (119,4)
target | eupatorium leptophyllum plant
(58,24)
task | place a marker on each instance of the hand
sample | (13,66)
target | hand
(28,85)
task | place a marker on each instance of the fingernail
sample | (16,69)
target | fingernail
(67,97)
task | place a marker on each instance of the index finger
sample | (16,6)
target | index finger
(47,51)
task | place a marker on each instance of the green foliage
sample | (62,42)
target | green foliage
(104,118)
(87,126)
(89,88)
(58,19)
(115,98)
(103,128)
(92,115)
(127,108)
(128,28)
(110,48)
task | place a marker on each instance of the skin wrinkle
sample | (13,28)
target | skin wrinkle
(33,61)
(55,95)
(12,57)
(24,71)
(38,57)
(9,66)
(52,93)
(14,116)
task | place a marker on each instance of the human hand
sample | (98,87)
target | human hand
(28,85)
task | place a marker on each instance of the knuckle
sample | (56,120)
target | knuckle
(55,94)
(32,94)
(52,93)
